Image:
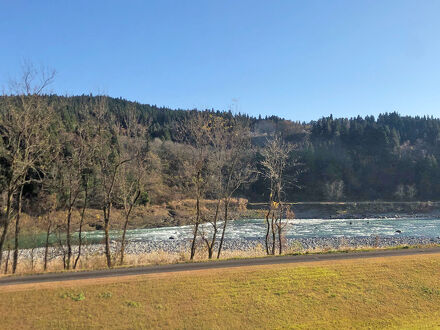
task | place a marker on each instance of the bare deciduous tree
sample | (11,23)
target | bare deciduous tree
(276,158)
(109,160)
(334,190)
(74,166)
(233,158)
(26,120)
(131,178)
(194,132)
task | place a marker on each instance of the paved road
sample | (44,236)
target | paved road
(68,276)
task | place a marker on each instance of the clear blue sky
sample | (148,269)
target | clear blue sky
(297,59)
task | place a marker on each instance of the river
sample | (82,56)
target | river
(297,228)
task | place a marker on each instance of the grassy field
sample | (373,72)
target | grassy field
(393,292)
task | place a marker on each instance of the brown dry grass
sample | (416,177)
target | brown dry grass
(159,257)
(394,292)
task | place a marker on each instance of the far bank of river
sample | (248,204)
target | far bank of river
(360,210)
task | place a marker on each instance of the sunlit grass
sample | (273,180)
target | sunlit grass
(396,292)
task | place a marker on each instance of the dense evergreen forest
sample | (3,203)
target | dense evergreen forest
(391,157)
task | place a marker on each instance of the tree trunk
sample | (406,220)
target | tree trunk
(280,222)
(193,243)
(279,237)
(273,234)
(210,248)
(267,232)
(32,259)
(214,234)
(6,225)
(61,245)
(106,234)
(17,232)
(224,229)
(46,246)
(121,261)
(127,218)
(81,221)
(7,259)
(211,245)
(196,228)
(68,238)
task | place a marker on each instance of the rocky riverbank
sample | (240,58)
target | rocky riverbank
(290,245)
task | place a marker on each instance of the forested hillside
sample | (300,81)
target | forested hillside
(391,157)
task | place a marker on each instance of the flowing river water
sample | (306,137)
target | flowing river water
(297,228)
